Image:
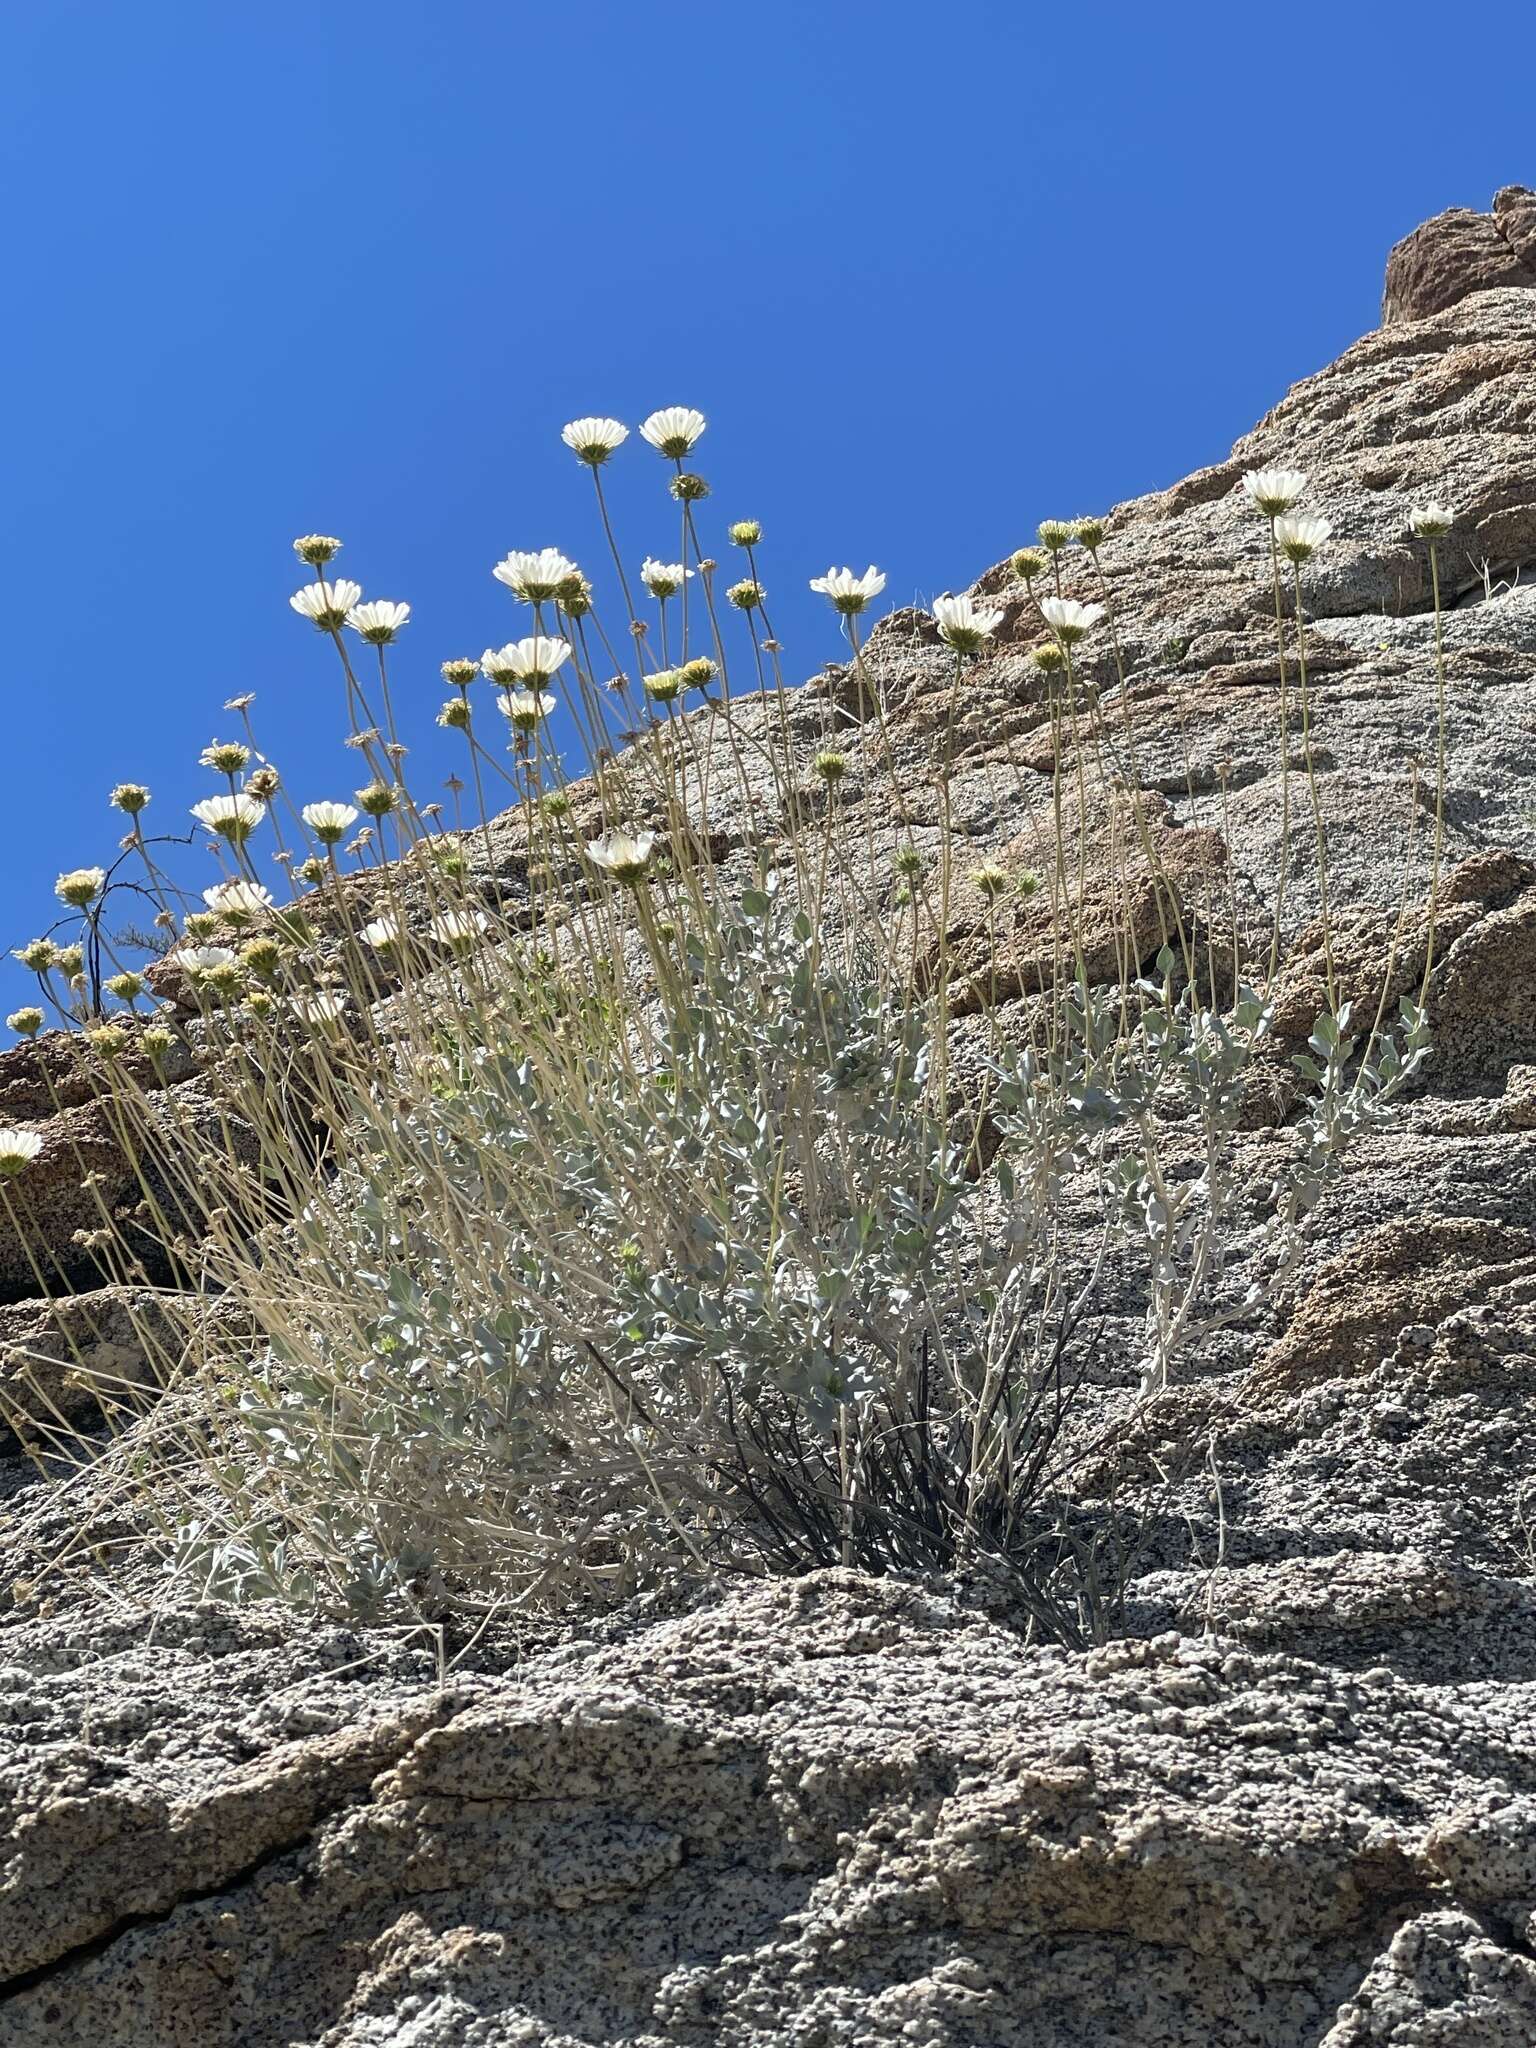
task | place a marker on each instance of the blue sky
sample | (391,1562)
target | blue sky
(933,273)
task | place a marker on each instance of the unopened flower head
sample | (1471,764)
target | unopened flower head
(1432,521)
(594,440)
(264,782)
(200,924)
(326,605)
(1049,659)
(1027,564)
(70,961)
(687,488)
(1055,534)
(317,549)
(80,887)
(38,955)
(673,430)
(1090,533)
(377,800)
(157,1042)
(574,597)
(27,1022)
(130,797)
(384,934)
(460,673)
(830,765)
(459,928)
(663,579)
(379,621)
(1299,535)
(18,1149)
(535,577)
(524,708)
(963,624)
(992,879)
(110,1041)
(744,533)
(1273,491)
(127,987)
(1069,620)
(621,853)
(746,595)
(329,822)
(531,661)
(261,957)
(664,685)
(849,593)
(699,673)
(238,900)
(455,714)
(234,817)
(227,757)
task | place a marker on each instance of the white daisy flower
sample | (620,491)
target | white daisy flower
(238,899)
(1432,521)
(673,430)
(1299,535)
(380,621)
(459,928)
(233,817)
(536,577)
(1273,491)
(624,854)
(663,579)
(18,1149)
(80,886)
(326,604)
(964,624)
(325,1009)
(849,593)
(1069,620)
(524,708)
(594,440)
(328,821)
(533,660)
(196,961)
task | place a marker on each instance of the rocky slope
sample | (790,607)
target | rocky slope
(1294,1808)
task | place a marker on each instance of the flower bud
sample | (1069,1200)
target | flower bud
(746,533)
(688,489)
(130,797)
(25,1023)
(460,673)
(126,987)
(317,549)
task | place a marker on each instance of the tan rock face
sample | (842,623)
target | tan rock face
(1460,252)
(1418,1272)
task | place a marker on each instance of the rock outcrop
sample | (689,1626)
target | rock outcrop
(1293,1805)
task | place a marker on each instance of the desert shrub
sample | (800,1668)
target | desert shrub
(612,1209)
